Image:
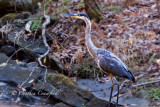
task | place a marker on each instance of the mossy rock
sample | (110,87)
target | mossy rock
(60,105)
(58,79)
(8,17)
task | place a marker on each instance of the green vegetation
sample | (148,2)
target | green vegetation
(88,69)
(153,93)
(36,24)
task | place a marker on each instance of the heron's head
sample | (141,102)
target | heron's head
(82,16)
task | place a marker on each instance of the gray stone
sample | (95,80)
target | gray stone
(60,105)
(8,49)
(21,5)
(58,86)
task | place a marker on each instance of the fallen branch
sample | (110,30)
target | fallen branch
(45,43)
(146,83)
(28,77)
(21,86)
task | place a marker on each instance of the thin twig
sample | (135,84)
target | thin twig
(28,77)
(20,87)
(146,83)
(14,54)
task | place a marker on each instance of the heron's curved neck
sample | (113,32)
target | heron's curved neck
(90,46)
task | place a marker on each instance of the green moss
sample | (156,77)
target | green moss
(60,79)
(8,17)
(151,93)
(85,94)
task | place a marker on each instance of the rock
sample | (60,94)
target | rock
(1,23)
(8,49)
(3,59)
(19,19)
(35,49)
(55,64)
(59,88)
(60,105)
(69,91)
(21,5)
(8,17)
(98,103)
(14,73)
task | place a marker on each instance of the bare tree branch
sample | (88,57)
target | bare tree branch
(45,43)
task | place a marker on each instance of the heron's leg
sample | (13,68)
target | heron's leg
(118,91)
(112,86)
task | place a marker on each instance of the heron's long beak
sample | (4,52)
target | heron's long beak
(73,15)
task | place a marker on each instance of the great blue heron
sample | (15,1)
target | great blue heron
(107,61)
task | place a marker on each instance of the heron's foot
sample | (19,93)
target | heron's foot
(111,104)
(114,103)
(108,105)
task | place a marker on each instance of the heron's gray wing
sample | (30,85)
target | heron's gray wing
(107,54)
(119,61)
(111,65)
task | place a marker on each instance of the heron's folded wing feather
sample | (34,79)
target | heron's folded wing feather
(111,66)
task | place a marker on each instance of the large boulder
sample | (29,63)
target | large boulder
(59,88)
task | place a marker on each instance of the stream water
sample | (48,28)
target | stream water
(102,91)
